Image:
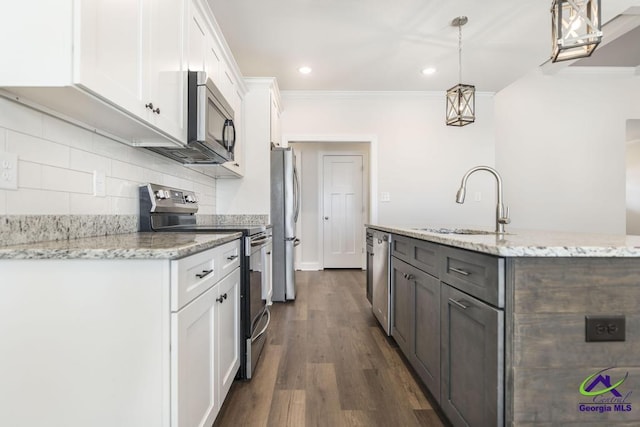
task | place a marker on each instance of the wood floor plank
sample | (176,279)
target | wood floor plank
(288,408)
(322,402)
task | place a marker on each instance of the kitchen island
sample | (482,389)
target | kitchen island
(520,329)
(138,329)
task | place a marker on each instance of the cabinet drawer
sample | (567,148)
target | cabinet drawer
(228,259)
(477,274)
(193,275)
(421,254)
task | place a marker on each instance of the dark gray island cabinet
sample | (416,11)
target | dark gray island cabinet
(497,329)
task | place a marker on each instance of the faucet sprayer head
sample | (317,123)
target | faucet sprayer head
(460,195)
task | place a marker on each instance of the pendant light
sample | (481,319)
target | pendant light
(576,28)
(461,99)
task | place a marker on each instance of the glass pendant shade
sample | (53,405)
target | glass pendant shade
(576,28)
(461,105)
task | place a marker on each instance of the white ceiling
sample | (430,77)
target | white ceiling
(384,45)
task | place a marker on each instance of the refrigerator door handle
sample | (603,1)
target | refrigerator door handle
(296,193)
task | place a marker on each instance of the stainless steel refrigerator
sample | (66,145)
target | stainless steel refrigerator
(285,208)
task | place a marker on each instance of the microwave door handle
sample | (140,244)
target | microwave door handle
(229,143)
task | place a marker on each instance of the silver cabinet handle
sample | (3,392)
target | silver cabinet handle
(232,257)
(326,217)
(204,273)
(407,276)
(458,303)
(222,297)
(457,270)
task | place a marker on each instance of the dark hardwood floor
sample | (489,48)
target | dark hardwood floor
(327,362)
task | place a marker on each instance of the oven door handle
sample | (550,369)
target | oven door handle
(264,329)
(260,240)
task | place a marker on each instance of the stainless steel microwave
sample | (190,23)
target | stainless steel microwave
(210,118)
(211,134)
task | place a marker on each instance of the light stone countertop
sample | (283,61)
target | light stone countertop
(529,243)
(121,246)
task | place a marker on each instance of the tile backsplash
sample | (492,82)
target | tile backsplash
(57,161)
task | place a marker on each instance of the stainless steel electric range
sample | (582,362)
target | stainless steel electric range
(169,209)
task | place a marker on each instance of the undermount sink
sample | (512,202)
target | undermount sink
(458,231)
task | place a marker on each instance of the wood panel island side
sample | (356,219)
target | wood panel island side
(527,328)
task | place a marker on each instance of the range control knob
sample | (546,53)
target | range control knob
(190,198)
(162,194)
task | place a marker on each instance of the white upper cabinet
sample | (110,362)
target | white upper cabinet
(120,66)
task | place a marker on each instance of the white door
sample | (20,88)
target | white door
(343,211)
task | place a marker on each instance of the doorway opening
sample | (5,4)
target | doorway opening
(338,188)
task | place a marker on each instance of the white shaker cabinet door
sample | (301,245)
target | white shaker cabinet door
(228,331)
(167,79)
(109,51)
(194,400)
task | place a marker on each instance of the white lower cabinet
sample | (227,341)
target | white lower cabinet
(205,353)
(98,342)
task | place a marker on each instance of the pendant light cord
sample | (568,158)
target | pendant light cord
(460,53)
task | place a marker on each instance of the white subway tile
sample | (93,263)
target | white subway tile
(20,118)
(37,202)
(124,206)
(85,204)
(81,160)
(58,179)
(110,148)
(126,171)
(37,150)
(59,131)
(3,139)
(122,188)
(151,176)
(3,202)
(29,175)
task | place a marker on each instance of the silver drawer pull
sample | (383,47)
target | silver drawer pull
(232,257)
(204,273)
(458,303)
(457,270)
(407,276)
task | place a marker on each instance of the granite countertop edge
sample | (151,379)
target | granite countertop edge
(133,246)
(529,243)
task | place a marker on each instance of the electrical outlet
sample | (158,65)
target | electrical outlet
(9,171)
(604,328)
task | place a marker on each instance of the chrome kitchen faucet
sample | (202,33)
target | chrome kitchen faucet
(501,217)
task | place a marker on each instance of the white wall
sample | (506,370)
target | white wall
(420,160)
(56,161)
(560,146)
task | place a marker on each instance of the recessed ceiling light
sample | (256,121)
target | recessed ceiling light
(428,71)
(304,70)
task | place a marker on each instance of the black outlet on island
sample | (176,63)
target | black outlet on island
(604,328)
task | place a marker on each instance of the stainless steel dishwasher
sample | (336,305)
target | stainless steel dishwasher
(381,279)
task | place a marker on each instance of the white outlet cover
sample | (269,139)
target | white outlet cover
(8,171)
